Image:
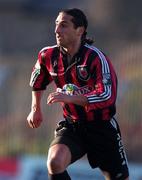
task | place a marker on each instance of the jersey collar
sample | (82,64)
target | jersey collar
(77,56)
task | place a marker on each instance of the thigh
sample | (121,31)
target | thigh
(107,151)
(66,135)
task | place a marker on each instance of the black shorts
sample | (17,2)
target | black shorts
(100,140)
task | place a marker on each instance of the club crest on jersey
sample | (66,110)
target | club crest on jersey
(83,72)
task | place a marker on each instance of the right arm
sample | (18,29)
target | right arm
(40,78)
(35,116)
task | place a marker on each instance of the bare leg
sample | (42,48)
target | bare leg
(59,157)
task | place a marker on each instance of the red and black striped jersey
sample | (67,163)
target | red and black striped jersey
(89,73)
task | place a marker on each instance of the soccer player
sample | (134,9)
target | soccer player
(87,89)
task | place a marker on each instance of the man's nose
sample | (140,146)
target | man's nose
(57,29)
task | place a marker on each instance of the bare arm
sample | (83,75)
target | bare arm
(35,116)
(60,97)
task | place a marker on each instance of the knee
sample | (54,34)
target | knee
(59,157)
(55,165)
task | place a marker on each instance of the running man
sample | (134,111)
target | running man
(87,89)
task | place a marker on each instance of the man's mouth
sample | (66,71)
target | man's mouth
(59,37)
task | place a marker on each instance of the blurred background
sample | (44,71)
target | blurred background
(26,26)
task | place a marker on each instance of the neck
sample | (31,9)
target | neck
(73,49)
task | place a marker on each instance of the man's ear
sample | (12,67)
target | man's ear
(80,30)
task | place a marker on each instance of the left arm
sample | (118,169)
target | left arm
(105,90)
(61,97)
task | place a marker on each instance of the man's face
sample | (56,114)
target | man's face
(66,34)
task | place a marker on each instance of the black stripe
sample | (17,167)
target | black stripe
(65,61)
(54,61)
(79,110)
(92,56)
(46,74)
(67,74)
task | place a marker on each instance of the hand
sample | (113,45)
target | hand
(59,97)
(34,119)
(65,98)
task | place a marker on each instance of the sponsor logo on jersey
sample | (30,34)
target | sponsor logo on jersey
(71,89)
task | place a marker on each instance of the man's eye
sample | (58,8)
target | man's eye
(63,25)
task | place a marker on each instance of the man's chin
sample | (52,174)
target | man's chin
(60,44)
